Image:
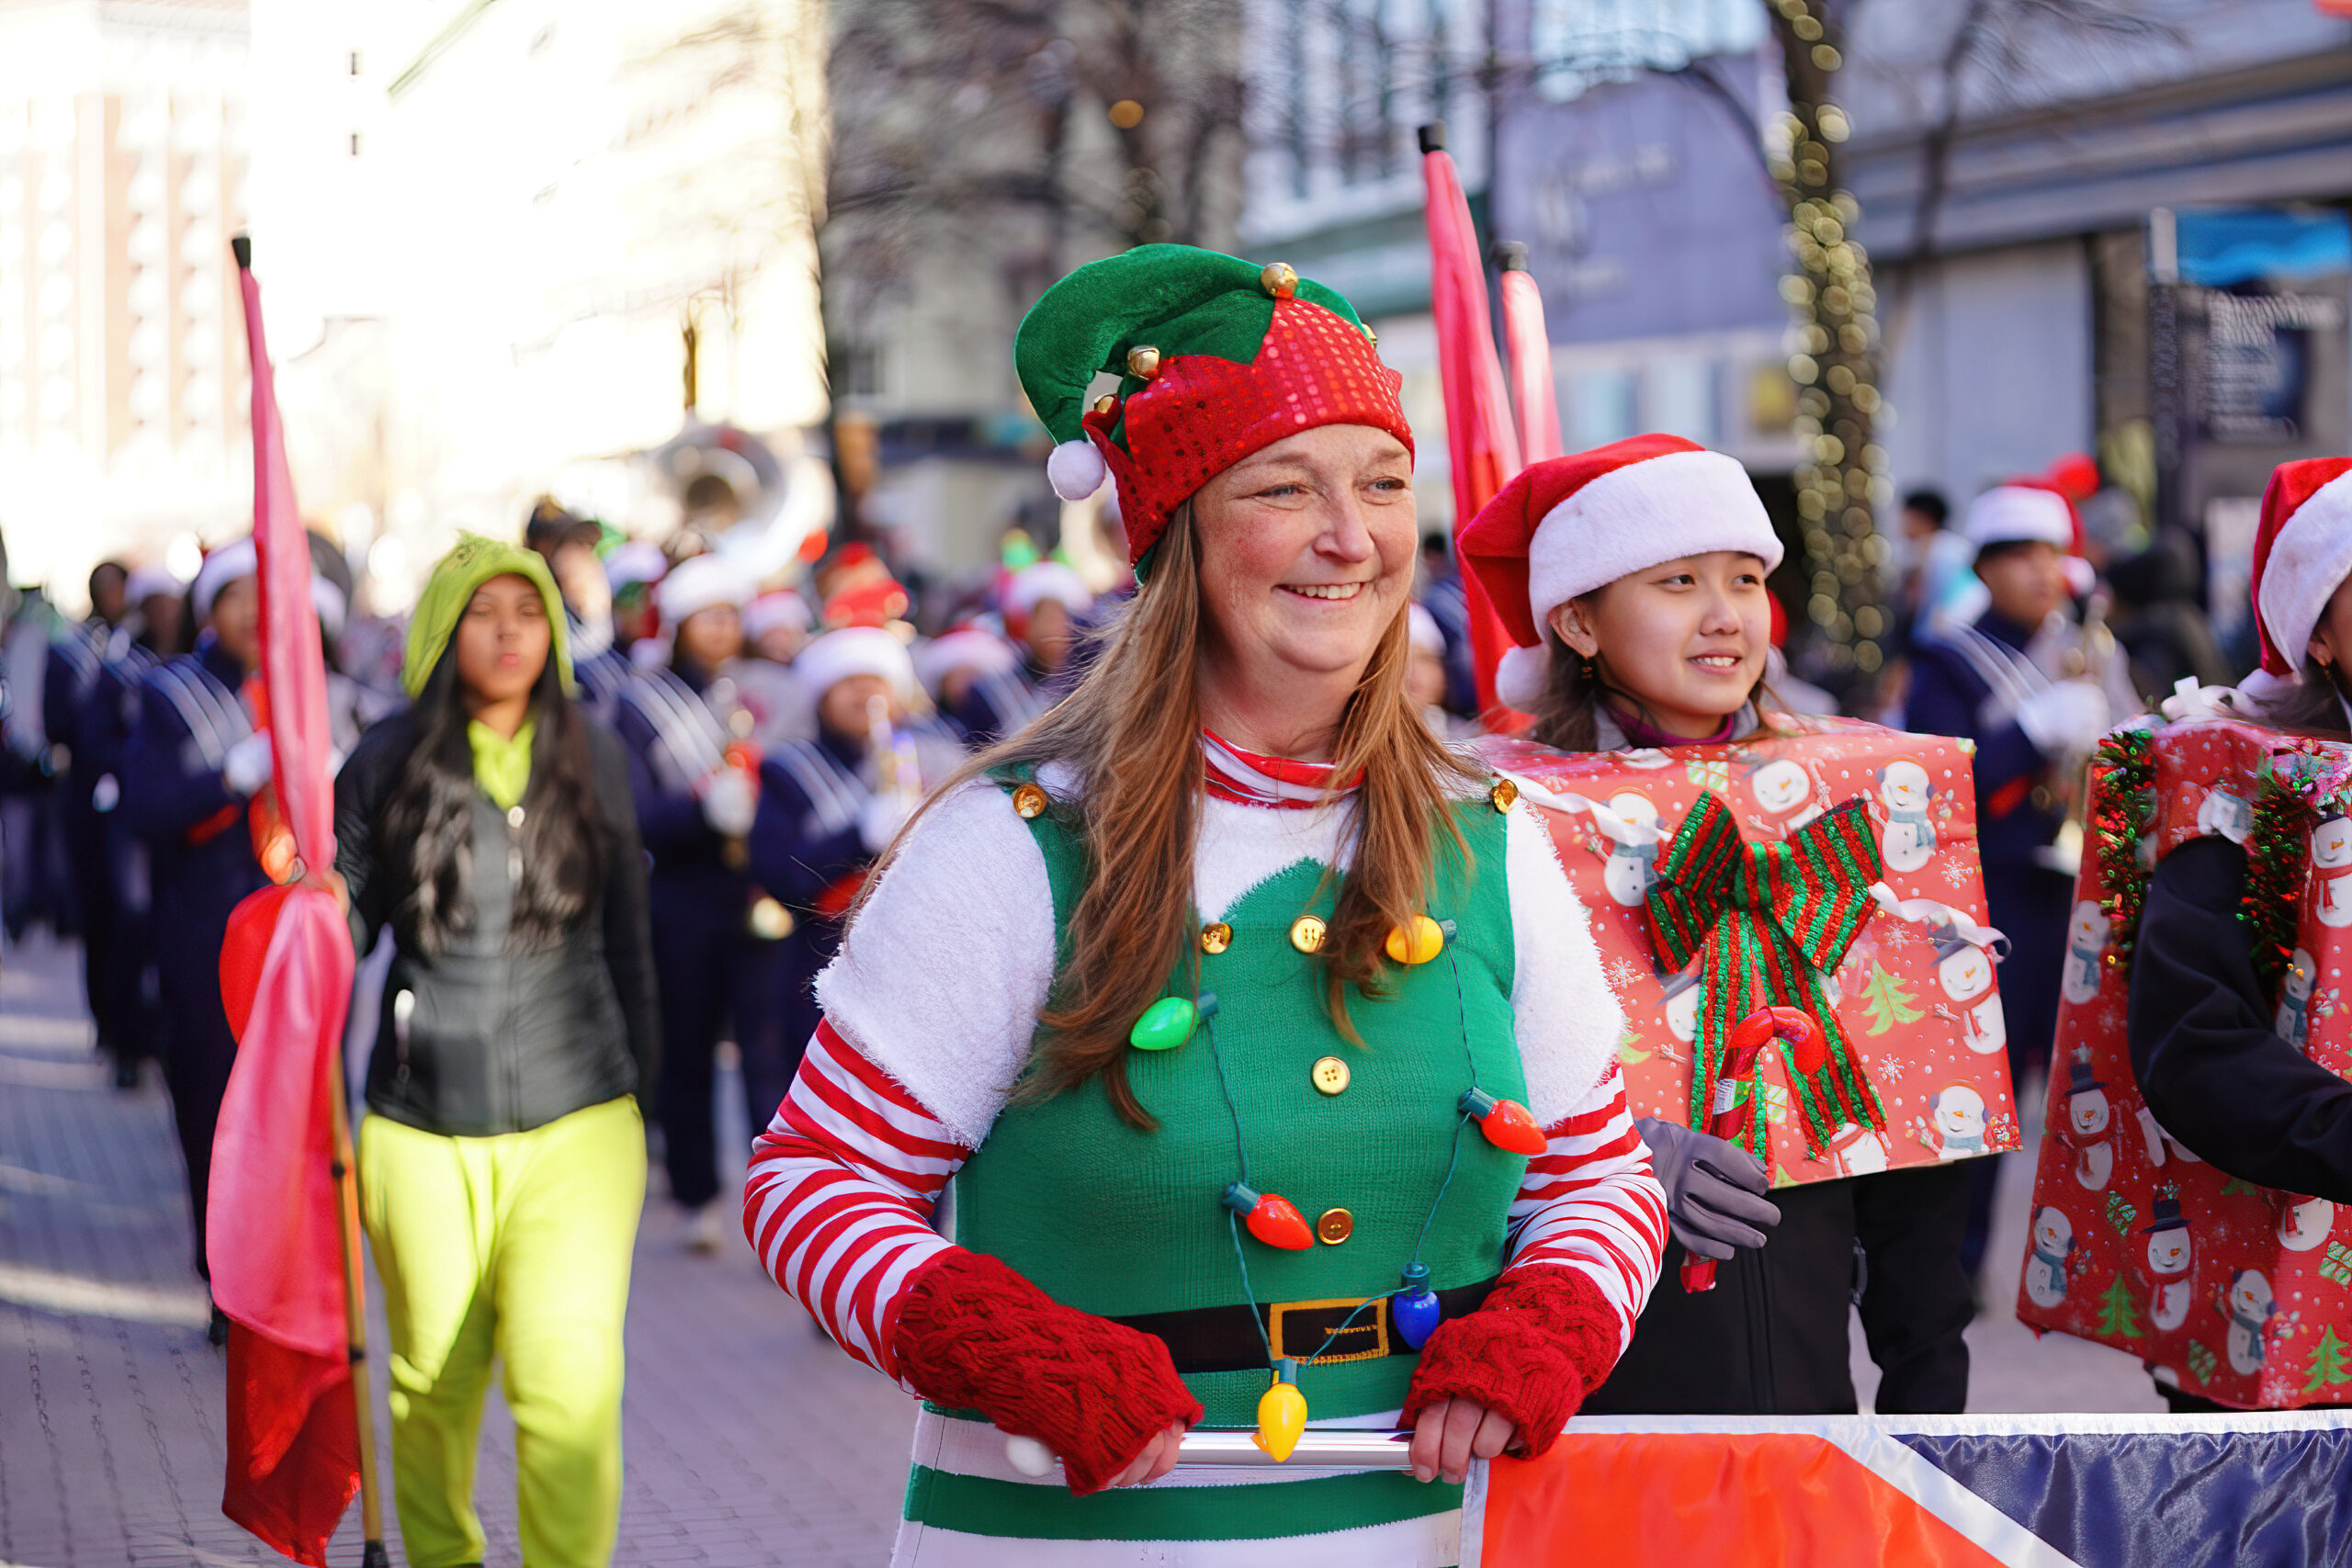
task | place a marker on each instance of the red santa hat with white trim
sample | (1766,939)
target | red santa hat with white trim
(1567,525)
(2303,552)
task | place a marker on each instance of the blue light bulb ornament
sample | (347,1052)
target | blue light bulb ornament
(1415,1309)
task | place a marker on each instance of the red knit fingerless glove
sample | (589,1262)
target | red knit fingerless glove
(973,1334)
(1545,1339)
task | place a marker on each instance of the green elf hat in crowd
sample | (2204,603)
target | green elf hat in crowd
(474,561)
(1216,357)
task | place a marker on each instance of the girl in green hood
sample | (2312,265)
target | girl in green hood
(502,1168)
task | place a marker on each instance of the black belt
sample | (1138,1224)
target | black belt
(1234,1338)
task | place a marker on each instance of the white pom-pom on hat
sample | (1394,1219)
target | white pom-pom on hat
(1076,469)
(1519,678)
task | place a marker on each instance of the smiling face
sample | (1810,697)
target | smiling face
(1306,555)
(1959,1112)
(1967,972)
(1685,638)
(2052,1232)
(2250,1295)
(2087,1113)
(2168,1251)
(2332,843)
(1780,786)
(501,640)
(1903,787)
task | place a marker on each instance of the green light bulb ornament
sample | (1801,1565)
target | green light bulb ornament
(1170,1022)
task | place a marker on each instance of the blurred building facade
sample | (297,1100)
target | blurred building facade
(980,150)
(123,159)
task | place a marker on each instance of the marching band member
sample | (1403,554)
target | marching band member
(977,679)
(1633,577)
(1236,800)
(776,628)
(829,805)
(697,783)
(68,681)
(568,546)
(2205,1037)
(2020,682)
(193,767)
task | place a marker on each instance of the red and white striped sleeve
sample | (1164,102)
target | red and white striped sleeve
(1590,1202)
(838,1199)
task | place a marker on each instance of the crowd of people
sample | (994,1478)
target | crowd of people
(1176,886)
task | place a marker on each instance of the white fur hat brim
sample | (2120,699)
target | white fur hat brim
(855,650)
(981,652)
(1660,509)
(2019,515)
(1518,676)
(230,563)
(699,583)
(1047,580)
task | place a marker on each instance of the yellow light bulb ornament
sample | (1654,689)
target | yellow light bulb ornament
(1282,1413)
(1420,940)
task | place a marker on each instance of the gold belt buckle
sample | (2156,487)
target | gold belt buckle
(1375,1324)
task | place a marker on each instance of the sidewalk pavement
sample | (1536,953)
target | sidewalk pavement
(750,1440)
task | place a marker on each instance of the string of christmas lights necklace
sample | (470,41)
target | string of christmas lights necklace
(1274,1220)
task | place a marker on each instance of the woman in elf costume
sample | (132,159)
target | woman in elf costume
(1631,578)
(2203,1031)
(1224,993)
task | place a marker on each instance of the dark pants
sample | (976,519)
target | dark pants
(1770,1338)
(2029,904)
(196,1070)
(92,867)
(711,973)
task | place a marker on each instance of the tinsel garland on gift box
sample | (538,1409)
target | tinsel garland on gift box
(2278,855)
(2124,804)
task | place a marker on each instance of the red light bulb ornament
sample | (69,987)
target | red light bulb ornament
(1414,1310)
(1271,1218)
(1507,1124)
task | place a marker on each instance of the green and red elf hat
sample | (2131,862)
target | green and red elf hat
(1216,357)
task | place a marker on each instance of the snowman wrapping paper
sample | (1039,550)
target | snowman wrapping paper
(2241,1294)
(1917,994)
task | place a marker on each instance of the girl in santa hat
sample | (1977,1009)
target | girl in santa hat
(2203,1031)
(1631,580)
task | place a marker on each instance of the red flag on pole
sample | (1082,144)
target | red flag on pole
(1529,348)
(281,1238)
(1478,433)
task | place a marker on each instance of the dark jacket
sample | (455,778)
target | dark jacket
(1948,695)
(200,848)
(2210,1062)
(479,1039)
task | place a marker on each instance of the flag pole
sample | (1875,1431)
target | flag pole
(354,1317)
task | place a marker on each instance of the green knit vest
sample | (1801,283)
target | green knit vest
(1119,1222)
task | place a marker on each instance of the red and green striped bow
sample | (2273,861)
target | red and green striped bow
(1773,920)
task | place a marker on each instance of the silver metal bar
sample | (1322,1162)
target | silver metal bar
(1318,1448)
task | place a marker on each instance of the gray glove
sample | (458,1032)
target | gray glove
(1715,1190)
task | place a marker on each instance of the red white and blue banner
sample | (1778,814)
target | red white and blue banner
(1922,1491)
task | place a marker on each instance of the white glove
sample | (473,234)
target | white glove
(730,801)
(246,767)
(2067,715)
(880,819)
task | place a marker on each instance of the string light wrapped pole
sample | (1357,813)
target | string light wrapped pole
(1842,474)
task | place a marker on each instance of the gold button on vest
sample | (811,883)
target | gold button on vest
(1330,1076)
(1215,937)
(1306,933)
(1029,801)
(1335,1227)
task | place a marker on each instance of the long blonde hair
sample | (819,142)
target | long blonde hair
(1131,731)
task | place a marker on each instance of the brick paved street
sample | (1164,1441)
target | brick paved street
(749,1440)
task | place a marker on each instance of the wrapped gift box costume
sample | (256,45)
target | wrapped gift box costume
(1091,1258)
(2190,1202)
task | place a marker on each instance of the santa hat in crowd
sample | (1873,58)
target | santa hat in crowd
(2302,551)
(2033,511)
(700,582)
(633,562)
(967,649)
(871,602)
(236,561)
(1045,582)
(1218,358)
(781,610)
(152,581)
(1567,525)
(855,650)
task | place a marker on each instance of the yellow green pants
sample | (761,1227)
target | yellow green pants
(515,1247)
